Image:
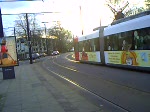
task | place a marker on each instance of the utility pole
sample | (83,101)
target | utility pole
(81,20)
(29,39)
(14,31)
(1,26)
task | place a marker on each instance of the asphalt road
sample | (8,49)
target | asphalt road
(112,88)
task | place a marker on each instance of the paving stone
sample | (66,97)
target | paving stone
(16,108)
(35,90)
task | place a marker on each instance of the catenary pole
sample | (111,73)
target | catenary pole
(29,40)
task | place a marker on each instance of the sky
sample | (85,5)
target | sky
(92,12)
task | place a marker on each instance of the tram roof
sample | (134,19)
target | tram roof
(133,24)
(94,34)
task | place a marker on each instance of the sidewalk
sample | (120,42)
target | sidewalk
(34,90)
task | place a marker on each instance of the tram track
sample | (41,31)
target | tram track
(99,77)
(122,109)
(60,66)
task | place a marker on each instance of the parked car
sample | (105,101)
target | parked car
(55,53)
(43,54)
(35,56)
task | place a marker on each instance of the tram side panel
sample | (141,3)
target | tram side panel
(89,48)
(130,49)
(91,57)
(89,51)
(125,44)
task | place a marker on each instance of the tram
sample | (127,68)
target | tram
(125,43)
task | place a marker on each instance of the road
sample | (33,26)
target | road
(111,88)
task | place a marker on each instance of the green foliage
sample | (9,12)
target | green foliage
(131,9)
(63,41)
(134,11)
(147,4)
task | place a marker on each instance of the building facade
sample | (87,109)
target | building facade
(39,45)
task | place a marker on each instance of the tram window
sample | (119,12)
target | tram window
(92,45)
(142,39)
(81,47)
(87,46)
(105,44)
(97,44)
(114,42)
(126,41)
(111,43)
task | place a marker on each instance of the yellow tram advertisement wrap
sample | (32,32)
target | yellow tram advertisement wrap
(90,56)
(134,58)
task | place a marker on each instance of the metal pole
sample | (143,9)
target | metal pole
(1,26)
(51,45)
(29,39)
(14,31)
(81,20)
(45,29)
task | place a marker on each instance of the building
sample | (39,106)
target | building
(39,45)
(22,48)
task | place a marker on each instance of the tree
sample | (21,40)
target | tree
(125,11)
(134,11)
(118,13)
(63,41)
(21,25)
(147,4)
